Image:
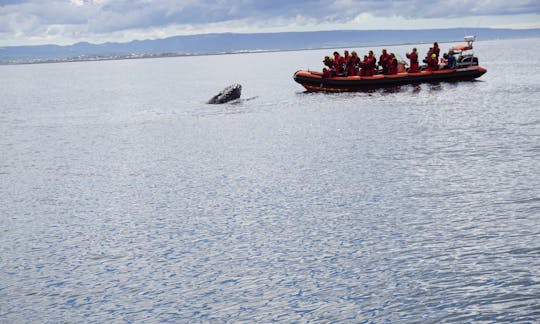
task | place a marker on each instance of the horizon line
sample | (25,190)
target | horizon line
(275,33)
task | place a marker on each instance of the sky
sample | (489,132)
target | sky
(63,22)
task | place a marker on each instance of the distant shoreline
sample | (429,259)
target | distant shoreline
(171,55)
(85,58)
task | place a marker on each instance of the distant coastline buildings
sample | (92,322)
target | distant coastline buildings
(228,43)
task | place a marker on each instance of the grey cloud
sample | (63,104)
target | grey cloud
(106,16)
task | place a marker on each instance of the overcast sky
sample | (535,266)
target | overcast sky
(31,22)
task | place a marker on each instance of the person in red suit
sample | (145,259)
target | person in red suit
(364,66)
(372,64)
(338,63)
(392,64)
(384,60)
(413,57)
(346,57)
(328,62)
(436,50)
(353,64)
(327,73)
(432,62)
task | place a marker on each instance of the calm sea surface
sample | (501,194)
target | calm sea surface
(125,198)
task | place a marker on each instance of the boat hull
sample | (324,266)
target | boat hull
(314,82)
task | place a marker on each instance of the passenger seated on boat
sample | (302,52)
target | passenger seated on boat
(449,60)
(327,73)
(428,54)
(384,60)
(432,62)
(392,64)
(328,62)
(413,57)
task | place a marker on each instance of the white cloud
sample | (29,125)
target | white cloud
(68,21)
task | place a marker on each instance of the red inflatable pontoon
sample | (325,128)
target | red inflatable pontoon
(314,81)
(466,69)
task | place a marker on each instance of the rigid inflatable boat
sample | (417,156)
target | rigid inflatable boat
(466,69)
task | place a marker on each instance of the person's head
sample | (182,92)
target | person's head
(384,51)
(336,53)
(354,54)
(414,50)
(370,53)
(435,44)
(346,53)
(365,57)
(325,70)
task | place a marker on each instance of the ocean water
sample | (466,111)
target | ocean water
(125,198)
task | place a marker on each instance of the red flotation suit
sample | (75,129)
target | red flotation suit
(353,64)
(432,62)
(372,63)
(413,57)
(384,60)
(392,65)
(338,63)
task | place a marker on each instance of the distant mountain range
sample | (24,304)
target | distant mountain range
(234,43)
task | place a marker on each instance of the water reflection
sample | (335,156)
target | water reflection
(435,86)
(392,90)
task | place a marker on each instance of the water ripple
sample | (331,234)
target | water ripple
(124,198)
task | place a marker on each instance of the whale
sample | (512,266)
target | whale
(232,92)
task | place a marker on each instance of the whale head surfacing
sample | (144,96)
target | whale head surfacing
(231,92)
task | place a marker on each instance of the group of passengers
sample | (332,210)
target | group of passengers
(351,65)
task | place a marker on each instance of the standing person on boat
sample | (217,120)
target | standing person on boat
(364,66)
(346,57)
(392,64)
(338,63)
(384,61)
(372,64)
(436,50)
(413,57)
(346,60)
(353,65)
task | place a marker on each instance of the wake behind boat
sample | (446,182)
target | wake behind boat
(458,65)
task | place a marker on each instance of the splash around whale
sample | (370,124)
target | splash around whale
(230,93)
